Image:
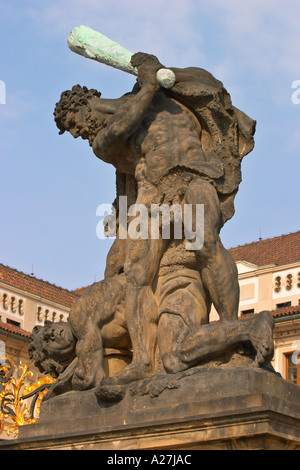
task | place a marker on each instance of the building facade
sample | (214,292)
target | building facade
(25,302)
(269,279)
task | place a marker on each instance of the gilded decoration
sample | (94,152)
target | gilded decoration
(17,389)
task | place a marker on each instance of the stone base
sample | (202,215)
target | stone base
(221,408)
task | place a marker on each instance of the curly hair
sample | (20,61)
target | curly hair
(72,101)
(44,359)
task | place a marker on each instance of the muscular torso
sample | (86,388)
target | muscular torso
(168,136)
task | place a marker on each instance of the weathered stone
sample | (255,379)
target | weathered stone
(220,408)
(181,381)
(180,147)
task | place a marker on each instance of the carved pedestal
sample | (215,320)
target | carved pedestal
(220,408)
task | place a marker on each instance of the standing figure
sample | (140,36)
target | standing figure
(183,146)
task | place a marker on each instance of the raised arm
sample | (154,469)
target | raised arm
(129,111)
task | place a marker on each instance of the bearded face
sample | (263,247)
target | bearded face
(52,347)
(73,113)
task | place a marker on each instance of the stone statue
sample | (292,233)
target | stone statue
(180,147)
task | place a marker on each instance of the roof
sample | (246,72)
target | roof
(278,313)
(281,250)
(12,329)
(286,311)
(44,289)
(81,290)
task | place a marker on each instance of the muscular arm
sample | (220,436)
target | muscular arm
(129,114)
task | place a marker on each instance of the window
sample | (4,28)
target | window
(293,367)
(13,305)
(289,282)
(12,322)
(4,301)
(246,312)
(21,307)
(277,284)
(39,314)
(283,304)
(2,349)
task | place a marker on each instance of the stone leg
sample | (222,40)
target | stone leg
(218,270)
(213,340)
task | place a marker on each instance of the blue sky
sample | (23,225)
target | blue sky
(51,185)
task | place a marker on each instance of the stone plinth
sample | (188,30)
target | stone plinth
(222,408)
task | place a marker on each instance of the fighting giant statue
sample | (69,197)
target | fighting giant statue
(180,145)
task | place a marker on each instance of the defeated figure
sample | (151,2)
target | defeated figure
(73,351)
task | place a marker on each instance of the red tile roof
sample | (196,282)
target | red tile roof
(281,250)
(284,311)
(279,312)
(81,290)
(44,289)
(14,330)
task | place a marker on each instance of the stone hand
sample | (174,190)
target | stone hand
(151,71)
